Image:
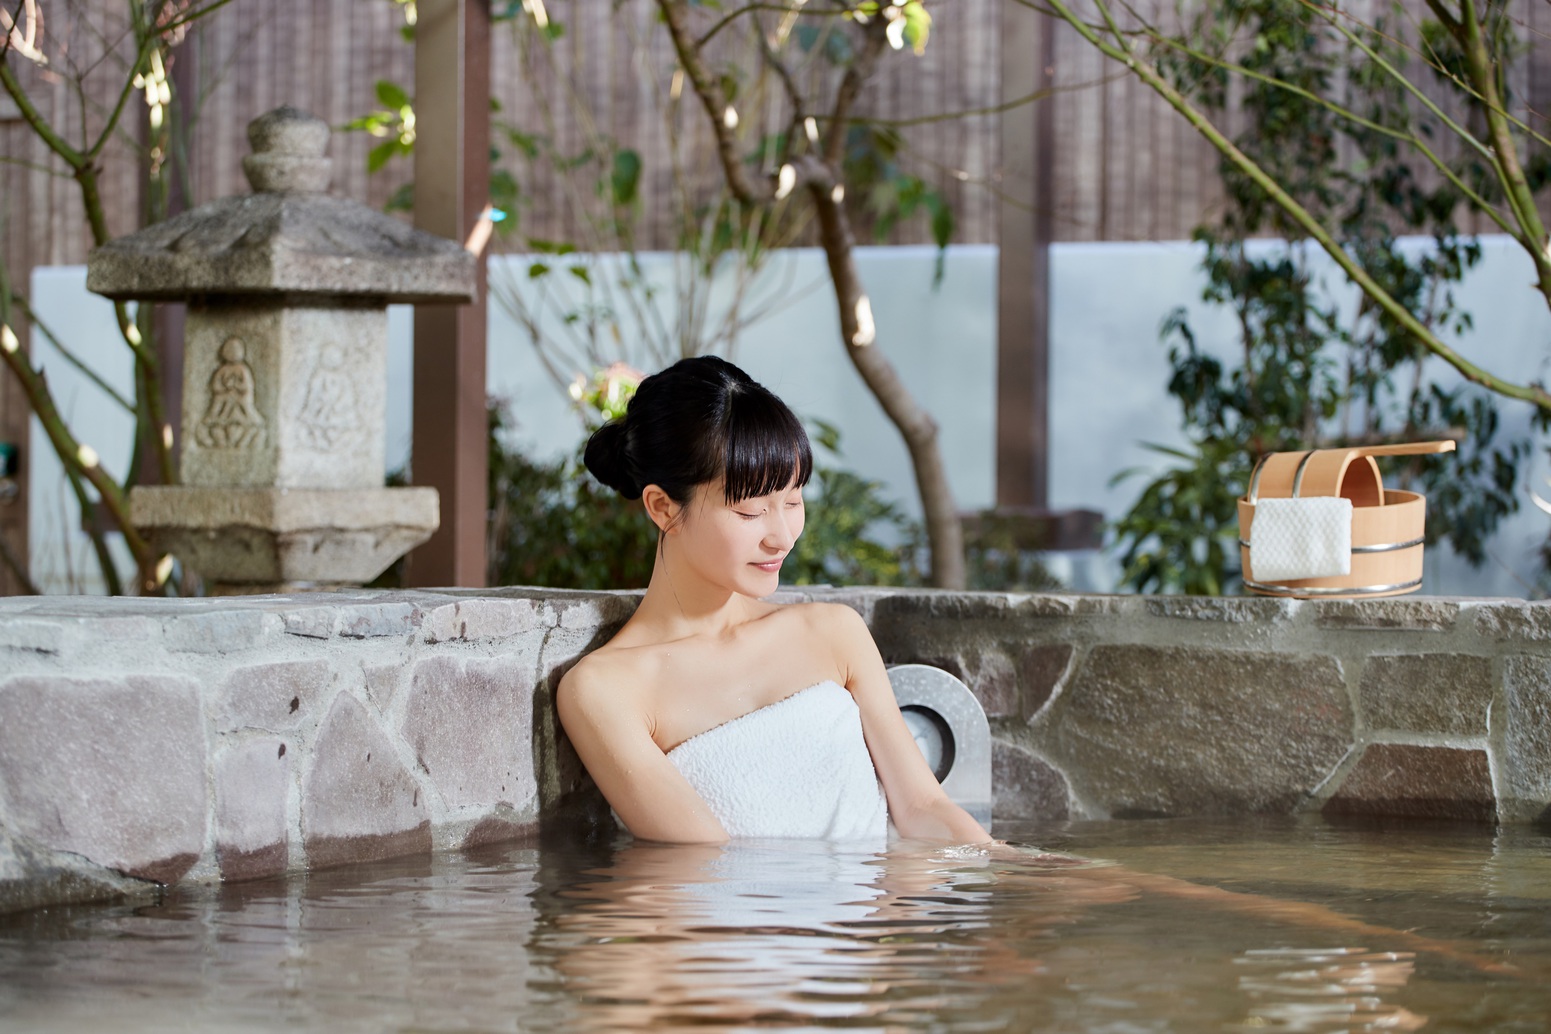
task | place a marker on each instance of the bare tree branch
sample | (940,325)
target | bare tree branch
(722,115)
(1533,393)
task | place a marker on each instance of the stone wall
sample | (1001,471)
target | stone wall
(160,741)
(1158,706)
(236,738)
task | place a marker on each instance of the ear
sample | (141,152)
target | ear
(660,507)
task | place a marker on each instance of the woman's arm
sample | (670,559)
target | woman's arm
(613,738)
(918,806)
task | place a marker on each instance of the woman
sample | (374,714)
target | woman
(712,714)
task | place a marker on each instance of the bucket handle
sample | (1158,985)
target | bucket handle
(1396,449)
(1406,448)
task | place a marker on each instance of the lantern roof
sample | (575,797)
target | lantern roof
(288,238)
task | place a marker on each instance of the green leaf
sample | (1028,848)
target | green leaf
(367,123)
(527,143)
(547,247)
(391,95)
(379,156)
(826,434)
(626,176)
(581,273)
(403,199)
(942,219)
(537,270)
(918,26)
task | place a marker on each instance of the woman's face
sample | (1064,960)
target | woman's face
(740,546)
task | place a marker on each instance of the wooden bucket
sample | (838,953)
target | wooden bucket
(1388,526)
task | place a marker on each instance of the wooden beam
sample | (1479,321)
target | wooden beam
(15,427)
(452,185)
(1025,230)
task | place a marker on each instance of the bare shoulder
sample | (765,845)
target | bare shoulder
(830,619)
(599,681)
(838,626)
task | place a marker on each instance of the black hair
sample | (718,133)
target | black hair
(696,421)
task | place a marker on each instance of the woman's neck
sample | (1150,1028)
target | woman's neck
(679,604)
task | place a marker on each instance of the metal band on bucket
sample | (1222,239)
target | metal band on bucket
(1309,590)
(1386,547)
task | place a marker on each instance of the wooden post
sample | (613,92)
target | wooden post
(452,185)
(1026,228)
(15,414)
(15,426)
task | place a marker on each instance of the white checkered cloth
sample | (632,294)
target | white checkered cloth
(1301,538)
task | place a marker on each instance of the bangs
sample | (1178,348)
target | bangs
(766,447)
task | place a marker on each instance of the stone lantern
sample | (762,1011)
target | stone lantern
(285,369)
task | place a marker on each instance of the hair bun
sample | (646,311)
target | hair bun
(605,457)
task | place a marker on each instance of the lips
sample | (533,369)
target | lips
(771,566)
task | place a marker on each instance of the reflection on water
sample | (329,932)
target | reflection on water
(1288,926)
(1315,989)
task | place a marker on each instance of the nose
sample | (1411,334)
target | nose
(779,533)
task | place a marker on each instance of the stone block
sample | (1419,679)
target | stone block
(359,802)
(986,670)
(112,770)
(214,631)
(376,620)
(593,610)
(1228,609)
(480,619)
(563,647)
(284,396)
(471,726)
(383,682)
(501,828)
(274,697)
(1027,789)
(275,536)
(1528,622)
(1525,764)
(33,878)
(1407,781)
(252,786)
(1042,673)
(1047,605)
(312,623)
(140,629)
(1090,605)
(1417,613)
(31,635)
(1444,693)
(1145,730)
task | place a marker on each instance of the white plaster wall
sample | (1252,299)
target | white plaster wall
(1108,372)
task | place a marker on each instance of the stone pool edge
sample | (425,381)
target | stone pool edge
(148,742)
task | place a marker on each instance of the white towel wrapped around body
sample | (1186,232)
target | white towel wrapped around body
(1309,537)
(796,768)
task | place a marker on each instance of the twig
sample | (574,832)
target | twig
(798,9)
(709,90)
(69,356)
(856,75)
